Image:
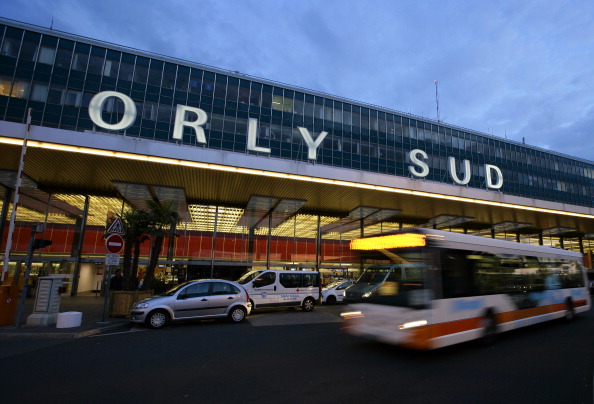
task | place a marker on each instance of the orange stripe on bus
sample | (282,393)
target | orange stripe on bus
(421,337)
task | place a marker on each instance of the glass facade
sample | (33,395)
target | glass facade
(57,77)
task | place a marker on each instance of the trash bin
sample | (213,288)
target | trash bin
(9,296)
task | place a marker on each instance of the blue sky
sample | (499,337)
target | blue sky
(521,70)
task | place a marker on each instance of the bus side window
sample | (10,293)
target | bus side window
(456,274)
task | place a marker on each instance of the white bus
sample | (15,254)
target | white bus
(469,287)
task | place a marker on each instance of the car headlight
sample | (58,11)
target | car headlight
(142,305)
(370,293)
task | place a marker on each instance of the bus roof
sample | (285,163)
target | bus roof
(446,239)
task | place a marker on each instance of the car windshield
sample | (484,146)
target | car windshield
(374,275)
(248,277)
(333,284)
(174,289)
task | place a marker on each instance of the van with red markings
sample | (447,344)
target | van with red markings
(282,288)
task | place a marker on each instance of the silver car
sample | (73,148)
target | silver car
(209,298)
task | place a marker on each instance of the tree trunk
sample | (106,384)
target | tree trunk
(128,275)
(149,276)
(135,259)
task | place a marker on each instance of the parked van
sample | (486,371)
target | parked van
(378,280)
(279,288)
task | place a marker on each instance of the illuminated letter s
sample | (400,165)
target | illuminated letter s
(414,159)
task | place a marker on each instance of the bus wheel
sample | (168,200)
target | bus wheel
(489,329)
(569,311)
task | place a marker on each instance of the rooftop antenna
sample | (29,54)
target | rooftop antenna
(437,99)
(52,24)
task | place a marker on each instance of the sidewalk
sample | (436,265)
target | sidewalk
(90,306)
(92,322)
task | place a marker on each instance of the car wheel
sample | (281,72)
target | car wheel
(237,314)
(489,325)
(331,299)
(569,311)
(157,319)
(308,304)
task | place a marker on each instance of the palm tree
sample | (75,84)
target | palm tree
(163,217)
(136,222)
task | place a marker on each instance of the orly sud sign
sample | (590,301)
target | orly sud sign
(418,168)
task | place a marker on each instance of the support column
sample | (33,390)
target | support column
(318,244)
(214,243)
(251,235)
(79,238)
(4,214)
(318,254)
(269,240)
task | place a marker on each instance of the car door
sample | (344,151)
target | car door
(264,290)
(222,295)
(193,301)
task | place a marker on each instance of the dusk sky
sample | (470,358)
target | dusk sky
(521,70)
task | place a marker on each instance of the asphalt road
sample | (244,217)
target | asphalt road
(254,362)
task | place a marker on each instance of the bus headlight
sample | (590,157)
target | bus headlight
(412,324)
(351,314)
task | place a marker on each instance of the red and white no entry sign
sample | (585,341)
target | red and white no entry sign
(114,243)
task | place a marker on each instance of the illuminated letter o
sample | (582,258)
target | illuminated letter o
(96,107)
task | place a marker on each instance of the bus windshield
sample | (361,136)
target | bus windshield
(401,283)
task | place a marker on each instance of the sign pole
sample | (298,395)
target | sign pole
(106,300)
(16,199)
(113,244)
(20,310)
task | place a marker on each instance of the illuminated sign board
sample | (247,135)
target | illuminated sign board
(196,118)
(390,241)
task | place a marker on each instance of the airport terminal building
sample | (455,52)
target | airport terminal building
(262,174)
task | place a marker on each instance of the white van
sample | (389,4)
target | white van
(279,288)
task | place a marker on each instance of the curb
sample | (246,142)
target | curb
(63,335)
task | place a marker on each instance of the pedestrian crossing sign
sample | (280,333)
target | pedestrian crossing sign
(117,227)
